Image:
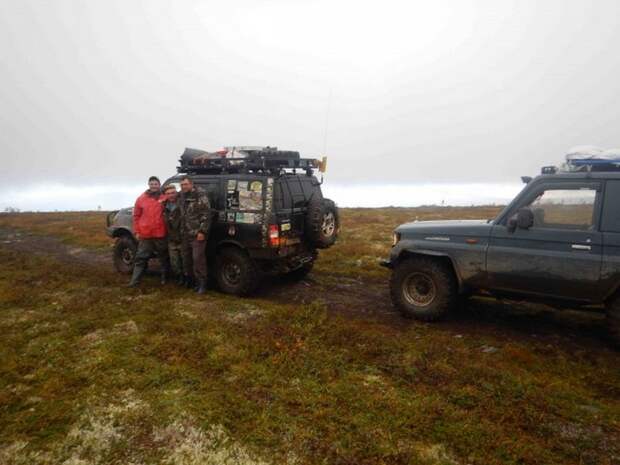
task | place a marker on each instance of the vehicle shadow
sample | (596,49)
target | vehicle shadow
(531,320)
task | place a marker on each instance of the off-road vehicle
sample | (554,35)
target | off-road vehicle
(269,215)
(557,242)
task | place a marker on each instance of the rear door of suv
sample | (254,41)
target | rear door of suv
(291,196)
(561,254)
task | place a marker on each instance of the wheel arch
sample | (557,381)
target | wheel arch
(122,232)
(229,243)
(439,256)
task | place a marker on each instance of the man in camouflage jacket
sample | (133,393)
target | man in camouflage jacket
(195,226)
(172,217)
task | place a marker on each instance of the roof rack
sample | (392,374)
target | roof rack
(246,160)
(592,164)
(584,165)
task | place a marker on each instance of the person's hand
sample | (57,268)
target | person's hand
(137,236)
(200,237)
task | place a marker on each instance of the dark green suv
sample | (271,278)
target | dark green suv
(269,216)
(558,242)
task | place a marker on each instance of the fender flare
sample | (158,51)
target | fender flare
(432,253)
(122,231)
(229,243)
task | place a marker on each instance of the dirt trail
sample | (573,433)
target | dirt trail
(369,300)
(24,241)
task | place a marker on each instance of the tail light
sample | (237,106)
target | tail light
(274,235)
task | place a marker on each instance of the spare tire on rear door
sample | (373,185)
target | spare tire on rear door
(322,223)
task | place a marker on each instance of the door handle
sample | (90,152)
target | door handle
(581,247)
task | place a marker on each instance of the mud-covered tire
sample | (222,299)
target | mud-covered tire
(613,320)
(423,288)
(322,223)
(236,273)
(124,254)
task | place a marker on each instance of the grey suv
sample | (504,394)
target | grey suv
(558,241)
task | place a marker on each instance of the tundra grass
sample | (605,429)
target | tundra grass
(94,373)
(84,229)
(365,236)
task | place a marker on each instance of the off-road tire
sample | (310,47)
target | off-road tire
(322,223)
(613,320)
(236,272)
(124,254)
(423,288)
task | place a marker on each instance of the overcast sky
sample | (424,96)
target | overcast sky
(109,92)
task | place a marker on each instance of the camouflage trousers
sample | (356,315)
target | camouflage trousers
(175,252)
(147,248)
(195,258)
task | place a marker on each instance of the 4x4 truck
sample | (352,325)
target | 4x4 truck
(269,215)
(557,242)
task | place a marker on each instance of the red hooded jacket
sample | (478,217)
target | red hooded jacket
(148,217)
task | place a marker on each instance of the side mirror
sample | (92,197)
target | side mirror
(512,223)
(523,219)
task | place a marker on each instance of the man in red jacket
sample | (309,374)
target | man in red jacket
(149,228)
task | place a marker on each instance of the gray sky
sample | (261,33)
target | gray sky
(95,92)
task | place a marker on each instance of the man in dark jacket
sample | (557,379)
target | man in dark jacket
(195,226)
(150,230)
(172,216)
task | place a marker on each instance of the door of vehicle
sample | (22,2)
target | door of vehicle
(610,227)
(561,254)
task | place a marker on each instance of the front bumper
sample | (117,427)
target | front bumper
(386,263)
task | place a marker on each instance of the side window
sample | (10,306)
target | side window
(611,207)
(212,190)
(564,209)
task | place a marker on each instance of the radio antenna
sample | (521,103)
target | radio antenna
(327,111)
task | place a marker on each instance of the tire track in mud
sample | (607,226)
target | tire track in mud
(369,300)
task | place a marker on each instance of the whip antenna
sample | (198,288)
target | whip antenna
(327,111)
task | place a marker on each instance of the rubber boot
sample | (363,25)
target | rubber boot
(138,271)
(181,280)
(202,288)
(164,277)
(189,282)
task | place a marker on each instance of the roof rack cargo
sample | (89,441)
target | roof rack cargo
(246,159)
(591,158)
(592,164)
